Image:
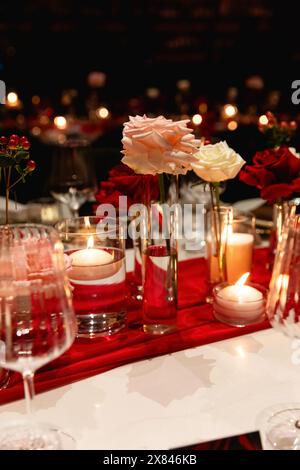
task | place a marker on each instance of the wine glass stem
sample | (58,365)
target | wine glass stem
(28,380)
(75,213)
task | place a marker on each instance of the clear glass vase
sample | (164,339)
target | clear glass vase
(160,255)
(281,212)
(218,220)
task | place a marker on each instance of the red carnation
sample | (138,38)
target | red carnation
(276,172)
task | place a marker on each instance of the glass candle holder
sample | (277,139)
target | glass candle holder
(97,273)
(239,305)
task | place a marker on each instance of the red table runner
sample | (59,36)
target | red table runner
(196,326)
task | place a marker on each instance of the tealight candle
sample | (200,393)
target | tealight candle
(239,304)
(91,264)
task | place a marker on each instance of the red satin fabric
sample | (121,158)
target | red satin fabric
(196,326)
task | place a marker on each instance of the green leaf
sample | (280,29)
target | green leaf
(19,169)
(6,161)
(21,155)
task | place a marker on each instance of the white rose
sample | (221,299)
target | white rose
(217,162)
(158,145)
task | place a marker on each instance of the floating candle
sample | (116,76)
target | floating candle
(90,257)
(92,263)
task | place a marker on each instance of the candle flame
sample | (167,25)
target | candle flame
(242,280)
(90,242)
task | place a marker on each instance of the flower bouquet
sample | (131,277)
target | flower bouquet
(159,146)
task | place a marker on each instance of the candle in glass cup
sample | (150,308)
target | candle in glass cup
(96,270)
(239,304)
(92,263)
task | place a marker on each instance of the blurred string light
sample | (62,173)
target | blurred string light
(230,110)
(35,100)
(36,131)
(12,100)
(44,120)
(263,120)
(183,85)
(102,112)
(152,92)
(60,122)
(197,119)
(232,125)
(202,108)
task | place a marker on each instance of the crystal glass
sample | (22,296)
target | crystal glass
(4,378)
(282,428)
(96,254)
(72,179)
(37,322)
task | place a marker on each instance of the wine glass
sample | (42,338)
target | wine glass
(72,179)
(37,322)
(282,427)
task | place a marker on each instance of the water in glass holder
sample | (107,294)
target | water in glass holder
(97,274)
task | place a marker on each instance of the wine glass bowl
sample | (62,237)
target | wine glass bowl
(37,322)
(282,428)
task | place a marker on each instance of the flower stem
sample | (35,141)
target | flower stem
(7,189)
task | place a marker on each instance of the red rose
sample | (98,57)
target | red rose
(122,181)
(276,172)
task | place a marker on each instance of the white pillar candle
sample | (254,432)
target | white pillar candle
(239,252)
(92,264)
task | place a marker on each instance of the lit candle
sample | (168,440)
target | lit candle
(12,100)
(239,250)
(92,263)
(60,122)
(238,304)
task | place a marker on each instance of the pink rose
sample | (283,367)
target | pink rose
(158,145)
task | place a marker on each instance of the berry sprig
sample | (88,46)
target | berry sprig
(14,158)
(277,132)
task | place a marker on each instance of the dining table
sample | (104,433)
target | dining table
(178,398)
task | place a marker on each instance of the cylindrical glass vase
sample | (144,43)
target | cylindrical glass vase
(161,262)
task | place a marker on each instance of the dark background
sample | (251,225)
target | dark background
(47,46)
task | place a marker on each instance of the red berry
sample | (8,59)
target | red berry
(293,125)
(23,139)
(3,140)
(283,125)
(31,165)
(12,144)
(14,137)
(207,142)
(26,145)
